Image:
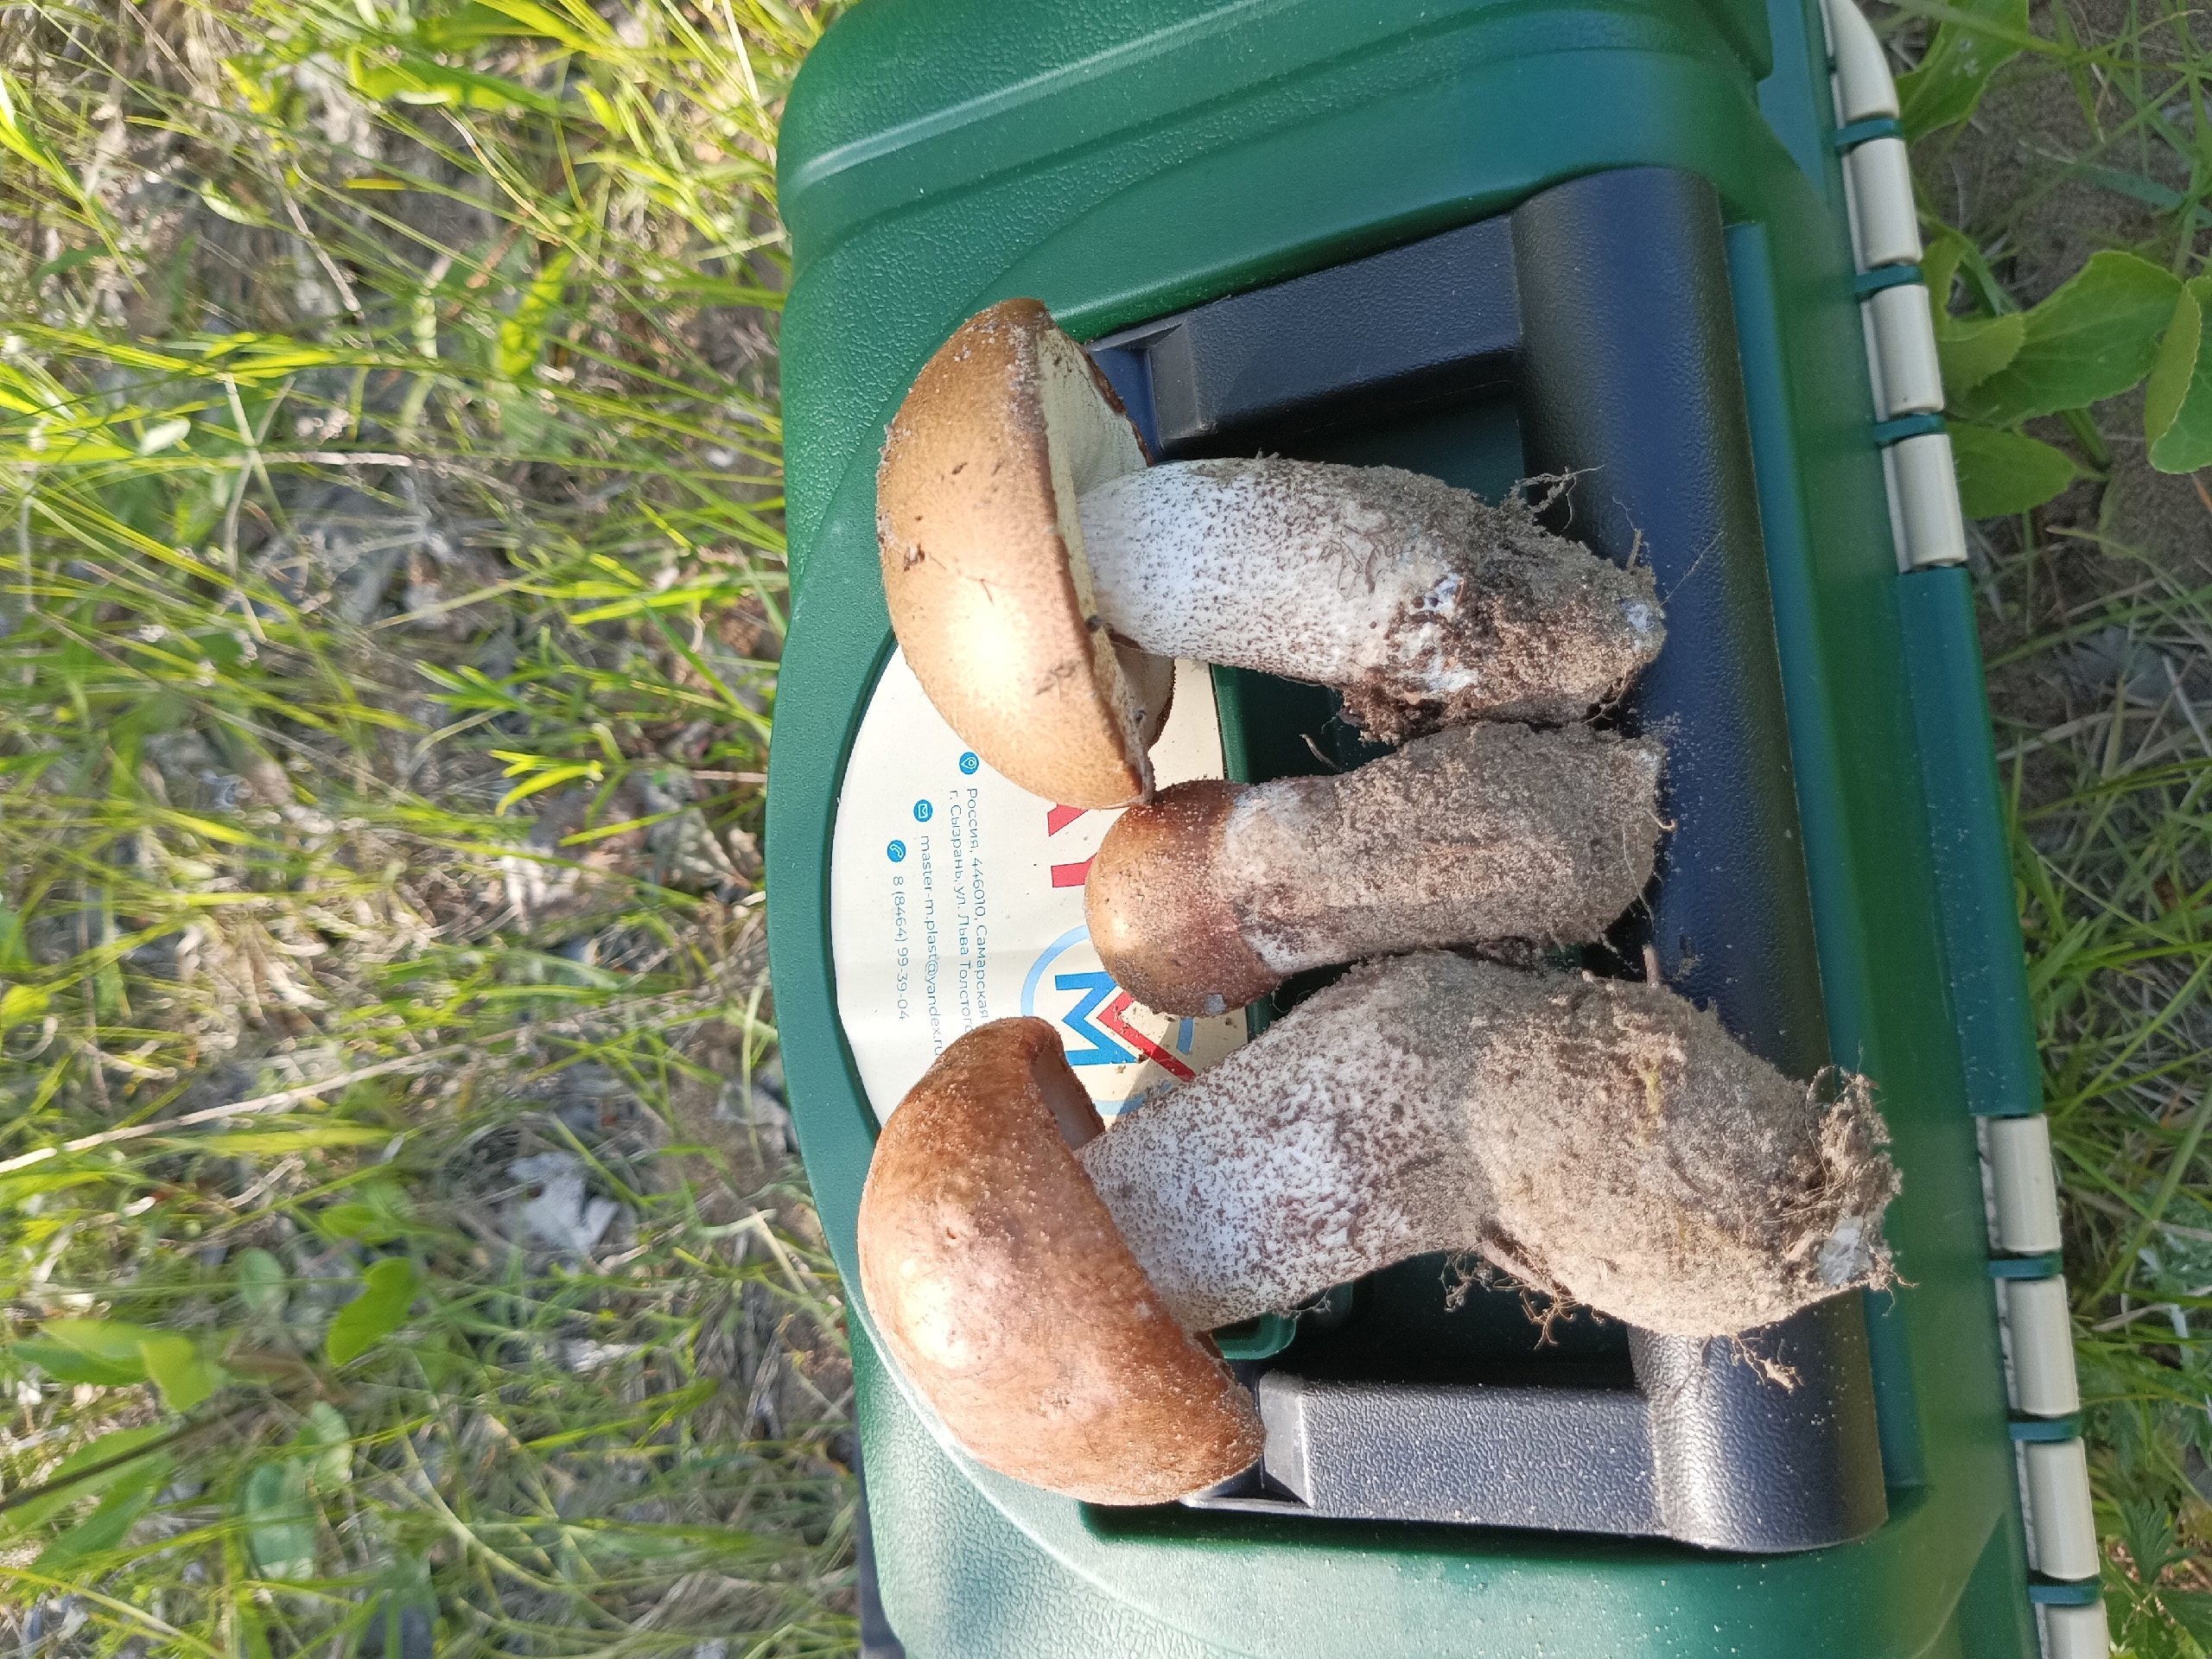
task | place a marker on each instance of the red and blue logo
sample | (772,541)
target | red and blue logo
(1087,1001)
(1096,1012)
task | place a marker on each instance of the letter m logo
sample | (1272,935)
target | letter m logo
(1096,989)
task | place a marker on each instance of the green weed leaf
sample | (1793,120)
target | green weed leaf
(262,1143)
(1956,68)
(2177,402)
(470,26)
(2148,1530)
(2094,338)
(379,1213)
(329,1444)
(176,1366)
(19,1003)
(1944,250)
(13,957)
(237,212)
(387,1291)
(253,1631)
(1972,349)
(261,1284)
(538,19)
(280,1523)
(2004,472)
(412,78)
(129,1495)
(111,1455)
(104,1352)
(2192,1610)
(522,336)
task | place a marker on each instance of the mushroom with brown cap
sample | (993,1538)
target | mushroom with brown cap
(1041,578)
(1007,1296)
(1211,894)
(1601,1140)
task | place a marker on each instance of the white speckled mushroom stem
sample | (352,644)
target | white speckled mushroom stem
(1486,831)
(1600,1138)
(1323,1151)
(1245,567)
(1363,576)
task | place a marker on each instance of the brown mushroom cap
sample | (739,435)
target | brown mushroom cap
(1008,1299)
(1159,916)
(983,565)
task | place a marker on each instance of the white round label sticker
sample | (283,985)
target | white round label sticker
(955,898)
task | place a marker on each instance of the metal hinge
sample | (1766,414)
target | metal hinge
(1894,305)
(2018,1182)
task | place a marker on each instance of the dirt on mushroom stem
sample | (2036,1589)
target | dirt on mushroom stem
(1213,893)
(1477,832)
(1427,605)
(1602,1140)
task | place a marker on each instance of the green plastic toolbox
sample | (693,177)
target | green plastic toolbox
(1662,253)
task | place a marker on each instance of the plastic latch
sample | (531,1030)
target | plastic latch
(2051,1593)
(1867,283)
(1906,426)
(1900,330)
(1858,132)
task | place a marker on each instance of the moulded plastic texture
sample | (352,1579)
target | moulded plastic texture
(2039,1340)
(1980,917)
(1903,334)
(2024,1208)
(2076,1632)
(1886,222)
(1923,500)
(2062,1535)
(1864,91)
(1124,159)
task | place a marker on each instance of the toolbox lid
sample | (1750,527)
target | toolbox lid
(1152,158)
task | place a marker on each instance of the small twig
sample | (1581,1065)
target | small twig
(339,458)
(338,280)
(2188,709)
(252,440)
(2133,1314)
(235,1109)
(23,554)
(2121,1212)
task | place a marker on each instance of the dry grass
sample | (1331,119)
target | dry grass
(389,471)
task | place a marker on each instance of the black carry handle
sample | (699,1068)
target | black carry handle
(1764,1445)
(1600,313)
